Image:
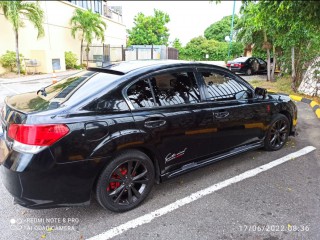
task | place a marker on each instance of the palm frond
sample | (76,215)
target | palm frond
(14,10)
(89,23)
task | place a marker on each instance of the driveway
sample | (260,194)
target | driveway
(282,202)
(262,77)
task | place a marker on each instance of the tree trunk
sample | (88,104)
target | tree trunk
(268,56)
(81,52)
(293,74)
(274,64)
(17,52)
(87,54)
(268,64)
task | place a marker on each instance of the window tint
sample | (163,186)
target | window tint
(140,94)
(175,88)
(221,87)
(67,91)
(112,101)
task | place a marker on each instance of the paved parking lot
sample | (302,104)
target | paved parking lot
(282,202)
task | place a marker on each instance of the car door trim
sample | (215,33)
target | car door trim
(194,165)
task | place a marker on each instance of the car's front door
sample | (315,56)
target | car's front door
(166,106)
(238,118)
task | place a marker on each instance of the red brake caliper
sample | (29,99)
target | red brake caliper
(115,185)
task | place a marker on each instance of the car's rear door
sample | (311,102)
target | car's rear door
(166,106)
(239,119)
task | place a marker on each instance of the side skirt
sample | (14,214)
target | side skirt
(195,165)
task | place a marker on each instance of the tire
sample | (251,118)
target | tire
(120,189)
(277,134)
(248,72)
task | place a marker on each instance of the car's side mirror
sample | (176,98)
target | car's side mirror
(260,92)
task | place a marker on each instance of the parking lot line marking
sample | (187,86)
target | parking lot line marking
(197,195)
(10,89)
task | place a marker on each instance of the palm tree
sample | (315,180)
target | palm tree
(15,11)
(90,25)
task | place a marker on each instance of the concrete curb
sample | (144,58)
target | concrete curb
(314,105)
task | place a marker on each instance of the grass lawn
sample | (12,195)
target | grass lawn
(282,85)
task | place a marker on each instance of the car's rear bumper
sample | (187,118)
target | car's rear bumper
(42,190)
(238,70)
(36,181)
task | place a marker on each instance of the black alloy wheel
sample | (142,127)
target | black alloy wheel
(277,134)
(248,72)
(125,182)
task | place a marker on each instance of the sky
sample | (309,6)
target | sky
(188,19)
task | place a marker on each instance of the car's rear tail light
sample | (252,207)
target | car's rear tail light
(228,64)
(239,65)
(27,137)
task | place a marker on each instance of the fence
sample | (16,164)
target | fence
(107,53)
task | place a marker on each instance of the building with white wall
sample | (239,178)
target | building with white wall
(58,39)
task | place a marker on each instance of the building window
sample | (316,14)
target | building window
(56,64)
(96,6)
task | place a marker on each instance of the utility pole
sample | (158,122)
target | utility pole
(231,32)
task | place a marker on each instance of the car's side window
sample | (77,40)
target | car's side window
(222,87)
(171,88)
(113,101)
(175,88)
(140,94)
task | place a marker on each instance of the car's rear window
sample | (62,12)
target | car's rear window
(77,86)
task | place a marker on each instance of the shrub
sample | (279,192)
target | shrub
(78,67)
(70,59)
(199,47)
(8,60)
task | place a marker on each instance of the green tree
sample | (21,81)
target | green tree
(295,27)
(90,25)
(149,30)
(292,27)
(252,30)
(177,44)
(219,30)
(199,47)
(15,12)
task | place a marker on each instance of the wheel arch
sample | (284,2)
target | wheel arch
(149,152)
(288,115)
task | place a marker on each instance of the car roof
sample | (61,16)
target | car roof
(241,59)
(125,67)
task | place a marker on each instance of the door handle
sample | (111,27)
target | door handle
(154,123)
(221,114)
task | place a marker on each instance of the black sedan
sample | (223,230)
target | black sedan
(116,130)
(247,65)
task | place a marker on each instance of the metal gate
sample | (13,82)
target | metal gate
(106,53)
